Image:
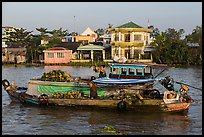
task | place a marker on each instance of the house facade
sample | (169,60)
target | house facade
(57,55)
(91,52)
(86,37)
(62,53)
(130,40)
(14,54)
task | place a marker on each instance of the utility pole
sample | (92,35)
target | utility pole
(74,24)
(148,23)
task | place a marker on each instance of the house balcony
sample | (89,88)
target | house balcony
(128,44)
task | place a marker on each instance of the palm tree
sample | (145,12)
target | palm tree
(19,36)
(42,31)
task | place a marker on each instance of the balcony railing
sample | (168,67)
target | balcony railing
(125,44)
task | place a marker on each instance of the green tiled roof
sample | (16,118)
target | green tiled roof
(129,25)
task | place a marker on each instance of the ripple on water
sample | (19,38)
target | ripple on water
(27,120)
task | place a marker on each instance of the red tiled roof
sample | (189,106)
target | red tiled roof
(57,48)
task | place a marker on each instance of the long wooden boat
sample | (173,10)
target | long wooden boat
(132,98)
(128,87)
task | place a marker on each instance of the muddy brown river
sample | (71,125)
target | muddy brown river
(18,119)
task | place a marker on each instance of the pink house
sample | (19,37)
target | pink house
(57,55)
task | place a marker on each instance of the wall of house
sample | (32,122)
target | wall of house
(57,56)
(83,38)
(14,55)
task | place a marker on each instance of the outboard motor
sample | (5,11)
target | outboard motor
(5,83)
(168,83)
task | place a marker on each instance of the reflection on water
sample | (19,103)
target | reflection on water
(62,120)
(18,119)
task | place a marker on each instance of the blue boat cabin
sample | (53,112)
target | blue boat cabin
(130,71)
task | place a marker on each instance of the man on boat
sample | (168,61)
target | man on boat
(101,70)
(93,88)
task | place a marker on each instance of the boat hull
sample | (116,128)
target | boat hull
(145,105)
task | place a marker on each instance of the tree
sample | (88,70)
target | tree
(57,36)
(100,31)
(59,33)
(34,48)
(170,47)
(195,53)
(18,36)
(155,32)
(42,31)
(159,45)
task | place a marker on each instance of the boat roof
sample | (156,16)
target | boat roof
(140,64)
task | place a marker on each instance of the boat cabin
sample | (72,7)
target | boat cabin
(130,71)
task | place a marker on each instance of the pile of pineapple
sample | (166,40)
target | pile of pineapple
(56,76)
(69,95)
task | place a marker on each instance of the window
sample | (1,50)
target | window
(127,37)
(147,70)
(60,55)
(116,37)
(116,71)
(131,71)
(124,70)
(139,71)
(84,42)
(137,37)
(50,55)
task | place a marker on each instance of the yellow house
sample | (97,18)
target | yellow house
(86,37)
(129,40)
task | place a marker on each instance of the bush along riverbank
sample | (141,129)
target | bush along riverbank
(88,64)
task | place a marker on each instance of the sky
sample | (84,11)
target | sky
(77,16)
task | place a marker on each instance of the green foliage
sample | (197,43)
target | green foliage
(42,31)
(18,36)
(172,48)
(195,53)
(100,31)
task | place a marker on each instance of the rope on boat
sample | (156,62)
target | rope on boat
(188,85)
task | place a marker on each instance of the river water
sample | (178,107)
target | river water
(19,119)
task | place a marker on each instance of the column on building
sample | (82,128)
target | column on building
(119,36)
(151,57)
(139,55)
(104,55)
(113,52)
(132,52)
(119,51)
(80,55)
(133,36)
(91,55)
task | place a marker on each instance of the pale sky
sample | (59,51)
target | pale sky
(77,16)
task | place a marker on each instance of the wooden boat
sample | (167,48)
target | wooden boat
(131,73)
(131,98)
(122,81)
(134,70)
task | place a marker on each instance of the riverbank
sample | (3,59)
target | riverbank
(58,64)
(85,64)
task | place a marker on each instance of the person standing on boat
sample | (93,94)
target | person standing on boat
(93,88)
(101,70)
